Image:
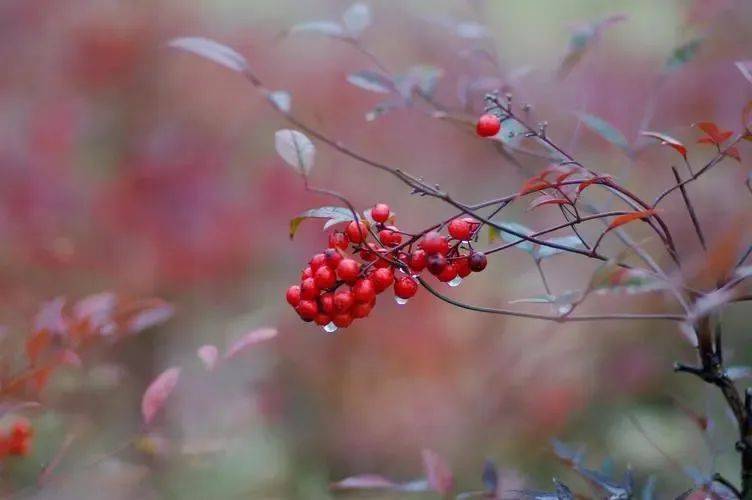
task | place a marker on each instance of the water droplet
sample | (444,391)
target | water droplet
(455,282)
(400,301)
(330,327)
(565,309)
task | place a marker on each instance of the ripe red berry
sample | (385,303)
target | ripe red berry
(478,261)
(338,239)
(348,270)
(326,303)
(324,278)
(364,290)
(488,125)
(307,273)
(460,229)
(343,301)
(317,261)
(417,260)
(448,273)
(382,278)
(322,319)
(434,243)
(293,295)
(389,237)
(308,289)
(368,253)
(356,231)
(405,287)
(342,320)
(381,261)
(462,265)
(307,310)
(436,263)
(333,258)
(362,310)
(380,212)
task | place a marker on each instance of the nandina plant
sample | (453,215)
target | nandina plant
(366,254)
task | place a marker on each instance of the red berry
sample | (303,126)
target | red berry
(478,261)
(381,261)
(389,237)
(343,301)
(333,258)
(307,310)
(382,278)
(488,125)
(324,278)
(434,243)
(436,263)
(380,212)
(307,273)
(462,265)
(417,261)
(338,239)
(293,295)
(448,273)
(362,310)
(356,232)
(321,319)
(364,290)
(405,287)
(368,253)
(342,320)
(317,261)
(308,289)
(348,270)
(326,303)
(459,229)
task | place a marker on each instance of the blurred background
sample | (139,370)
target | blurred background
(129,167)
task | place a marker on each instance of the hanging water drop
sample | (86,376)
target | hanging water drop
(400,301)
(565,309)
(455,282)
(330,327)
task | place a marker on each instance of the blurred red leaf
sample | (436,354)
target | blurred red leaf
(208,355)
(714,134)
(251,338)
(157,393)
(438,473)
(37,343)
(534,184)
(733,152)
(627,218)
(547,200)
(590,182)
(667,140)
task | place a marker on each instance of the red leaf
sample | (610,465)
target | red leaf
(590,182)
(534,184)
(668,141)
(36,345)
(157,393)
(208,355)
(627,218)
(438,473)
(733,152)
(547,200)
(715,135)
(249,339)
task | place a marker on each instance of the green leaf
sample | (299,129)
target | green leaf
(334,214)
(683,54)
(525,245)
(605,130)
(544,252)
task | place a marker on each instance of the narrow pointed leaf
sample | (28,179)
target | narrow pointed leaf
(627,218)
(212,50)
(668,141)
(333,214)
(295,149)
(250,339)
(605,130)
(157,393)
(371,81)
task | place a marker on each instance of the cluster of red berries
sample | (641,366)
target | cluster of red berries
(336,288)
(17,441)
(488,125)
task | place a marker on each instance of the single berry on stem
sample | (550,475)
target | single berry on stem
(364,290)
(417,260)
(308,289)
(488,125)
(478,261)
(348,270)
(434,243)
(338,239)
(324,278)
(460,229)
(356,232)
(405,287)
(293,295)
(380,212)
(436,263)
